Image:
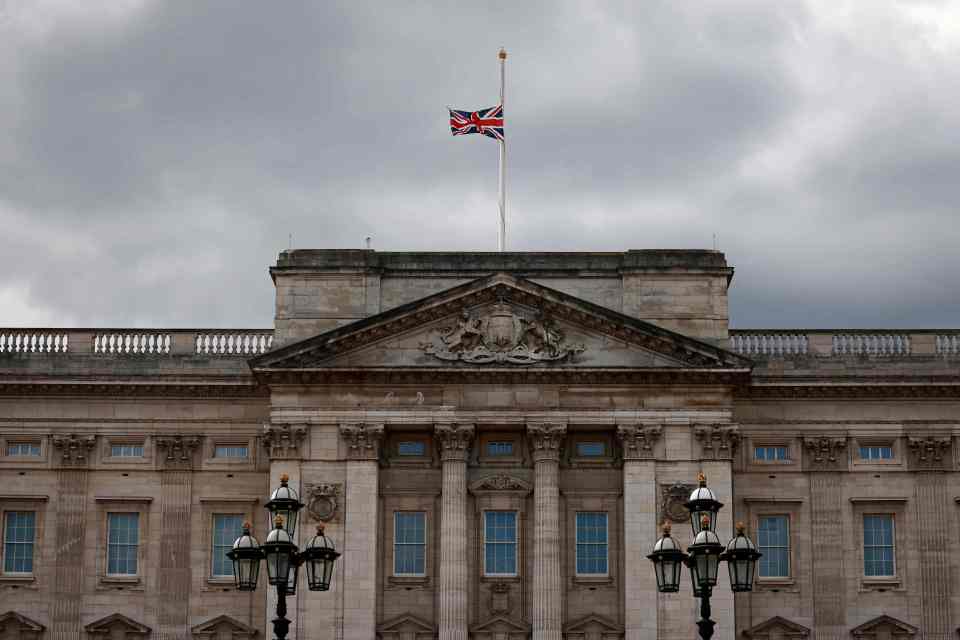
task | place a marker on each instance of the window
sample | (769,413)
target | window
(226,529)
(411,448)
(18,534)
(876,452)
(878,545)
(500,543)
(123,539)
(591,543)
(231,451)
(409,543)
(770,453)
(499,448)
(23,449)
(126,451)
(591,449)
(773,541)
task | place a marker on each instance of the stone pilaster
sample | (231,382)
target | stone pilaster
(454,443)
(72,479)
(639,529)
(546,442)
(829,609)
(362,444)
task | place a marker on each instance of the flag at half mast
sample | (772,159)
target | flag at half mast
(487,122)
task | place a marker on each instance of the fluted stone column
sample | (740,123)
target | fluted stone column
(546,441)
(454,441)
(639,529)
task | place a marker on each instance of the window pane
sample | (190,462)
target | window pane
(590,449)
(591,543)
(773,541)
(19,530)
(123,537)
(126,451)
(230,451)
(226,529)
(411,448)
(878,545)
(500,448)
(409,543)
(23,449)
(500,537)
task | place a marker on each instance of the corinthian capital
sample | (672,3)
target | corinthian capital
(74,449)
(825,452)
(282,440)
(454,440)
(546,439)
(717,441)
(638,440)
(363,440)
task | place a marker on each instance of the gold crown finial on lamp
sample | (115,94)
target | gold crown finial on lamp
(319,528)
(702,479)
(247,525)
(284,477)
(741,528)
(278,521)
(666,528)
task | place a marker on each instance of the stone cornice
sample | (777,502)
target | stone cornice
(546,439)
(171,388)
(362,440)
(863,389)
(638,440)
(454,440)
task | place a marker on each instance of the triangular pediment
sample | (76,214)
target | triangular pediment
(595,623)
(214,626)
(884,627)
(117,621)
(14,620)
(499,322)
(502,625)
(777,627)
(406,622)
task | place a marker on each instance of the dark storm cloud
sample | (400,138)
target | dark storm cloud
(156,156)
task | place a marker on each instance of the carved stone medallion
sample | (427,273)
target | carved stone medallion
(502,336)
(672,499)
(500,598)
(323,503)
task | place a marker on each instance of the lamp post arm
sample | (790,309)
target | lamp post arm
(705,624)
(280,624)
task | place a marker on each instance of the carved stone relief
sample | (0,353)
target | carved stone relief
(930,452)
(717,441)
(638,440)
(825,453)
(503,336)
(546,440)
(178,450)
(500,598)
(74,449)
(672,498)
(454,440)
(362,440)
(323,502)
(282,440)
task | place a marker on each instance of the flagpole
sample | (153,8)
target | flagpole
(502,55)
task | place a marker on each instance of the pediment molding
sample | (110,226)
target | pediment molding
(523,337)
(406,622)
(884,628)
(593,622)
(104,627)
(210,629)
(501,624)
(777,627)
(14,620)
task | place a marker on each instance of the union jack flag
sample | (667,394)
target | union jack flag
(488,122)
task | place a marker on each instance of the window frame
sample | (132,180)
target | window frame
(577,543)
(123,445)
(516,544)
(213,545)
(210,459)
(211,506)
(513,459)
(895,458)
(4,519)
(38,505)
(426,537)
(20,460)
(870,513)
(132,504)
(136,555)
(788,546)
(576,438)
(19,443)
(897,508)
(766,448)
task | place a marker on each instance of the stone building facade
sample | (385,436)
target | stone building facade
(493,441)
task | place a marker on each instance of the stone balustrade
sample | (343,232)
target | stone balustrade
(893,344)
(242,343)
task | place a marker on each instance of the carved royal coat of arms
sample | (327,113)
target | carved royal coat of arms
(501,336)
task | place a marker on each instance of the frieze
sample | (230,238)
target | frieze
(74,449)
(454,440)
(717,441)
(362,440)
(826,453)
(282,440)
(178,449)
(502,336)
(638,440)
(930,452)
(673,497)
(323,501)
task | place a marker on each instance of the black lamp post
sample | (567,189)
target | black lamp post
(282,556)
(704,555)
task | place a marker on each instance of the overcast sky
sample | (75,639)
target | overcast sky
(155,157)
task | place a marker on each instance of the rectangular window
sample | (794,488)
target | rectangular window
(770,453)
(24,449)
(409,543)
(592,543)
(226,529)
(500,448)
(123,540)
(500,543)
(590,449)
(878,546)
(231,451)
(411,448)
(126,451)
(876,452)
(773,541)
(19,530)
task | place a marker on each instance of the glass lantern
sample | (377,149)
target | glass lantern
(246,555)
(667,558)
(279,552)
(702,505)
(741,558)
(705,556)
(285,503)
(319,557)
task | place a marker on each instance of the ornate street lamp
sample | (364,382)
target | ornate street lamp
(282,556)
(704,555)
